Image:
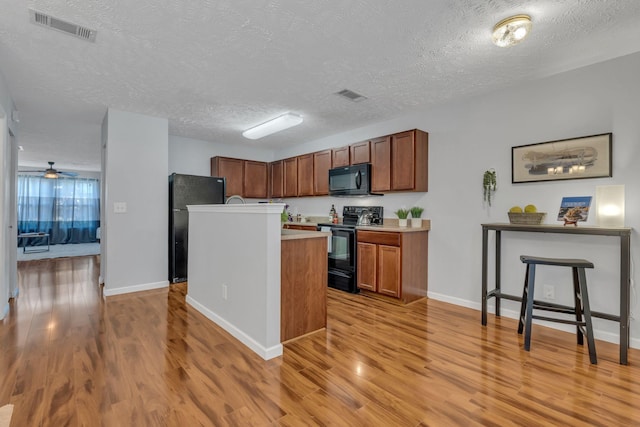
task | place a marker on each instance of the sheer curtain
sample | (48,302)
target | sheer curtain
(68,209)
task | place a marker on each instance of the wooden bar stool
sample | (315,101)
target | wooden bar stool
(581,307)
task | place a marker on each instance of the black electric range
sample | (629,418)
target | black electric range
(343,246)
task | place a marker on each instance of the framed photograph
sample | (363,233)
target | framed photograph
(576,158)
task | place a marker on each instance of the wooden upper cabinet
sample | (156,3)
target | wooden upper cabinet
(305,175)
(321,166)
(410,161)
(360,153)
(290,177)
(232,170)
(276,179)
(381,164)
(256,179)
(399,162)
(340,157)
(403,167)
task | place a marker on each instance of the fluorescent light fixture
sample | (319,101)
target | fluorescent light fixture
(282,122)
(511,31)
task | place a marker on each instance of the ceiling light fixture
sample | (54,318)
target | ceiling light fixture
(511,31)
(51,174)
(278,124)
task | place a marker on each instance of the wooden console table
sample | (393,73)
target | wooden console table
(623,233)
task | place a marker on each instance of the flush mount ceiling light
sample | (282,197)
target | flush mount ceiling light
(282,122)
(511,31)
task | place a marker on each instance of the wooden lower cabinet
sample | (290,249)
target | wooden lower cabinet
(303,288)
(367,266)
(393,263)
(389,270)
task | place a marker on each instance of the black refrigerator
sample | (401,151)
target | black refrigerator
(187,190)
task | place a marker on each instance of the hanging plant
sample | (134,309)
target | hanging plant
(488,184)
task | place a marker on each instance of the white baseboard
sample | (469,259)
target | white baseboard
(107,292)
(4,311)
(265,352)
(512,314)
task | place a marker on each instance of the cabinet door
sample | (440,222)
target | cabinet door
(290,177)
(403,161)
(340,157)
(232,170)
(305,175)
(360,153)
(367,266)
(381,164)
(321,166)
(389,270)
(255,179)
(276,179)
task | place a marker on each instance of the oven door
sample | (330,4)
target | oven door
(343,249)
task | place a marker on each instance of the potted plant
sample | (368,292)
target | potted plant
(416,213)
(402,217)
(488,184)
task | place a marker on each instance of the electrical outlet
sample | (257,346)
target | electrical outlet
(224,292)
(549,292)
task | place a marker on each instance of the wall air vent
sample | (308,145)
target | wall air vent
(351,95)
(60,25)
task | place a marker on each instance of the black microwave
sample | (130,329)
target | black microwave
(350,180)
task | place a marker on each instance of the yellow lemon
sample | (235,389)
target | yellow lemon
(530,209)
(516,209)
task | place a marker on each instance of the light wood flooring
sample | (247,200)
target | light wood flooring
(67,358)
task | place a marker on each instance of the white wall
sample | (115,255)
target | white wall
(192,156)
(8,161)
(468,137)
(135,172)
(238,247)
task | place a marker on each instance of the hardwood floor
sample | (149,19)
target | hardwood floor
(67,358)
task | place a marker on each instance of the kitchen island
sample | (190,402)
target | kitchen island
(303,278)
(234,274)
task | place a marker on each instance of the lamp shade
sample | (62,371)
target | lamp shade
(610,205)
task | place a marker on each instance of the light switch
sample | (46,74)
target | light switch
(120,207)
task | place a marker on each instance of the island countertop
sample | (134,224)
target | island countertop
(302,234)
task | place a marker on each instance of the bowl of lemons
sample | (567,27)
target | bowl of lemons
(529,215)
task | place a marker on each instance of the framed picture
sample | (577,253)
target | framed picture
(576,158)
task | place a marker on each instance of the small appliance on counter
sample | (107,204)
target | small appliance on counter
(343,247)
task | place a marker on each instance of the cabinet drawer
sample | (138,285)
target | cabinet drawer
(379,237)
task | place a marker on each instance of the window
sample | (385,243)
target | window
(68,209)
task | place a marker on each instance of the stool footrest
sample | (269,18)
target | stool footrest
(556,320)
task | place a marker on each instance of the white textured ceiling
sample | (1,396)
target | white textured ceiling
(216,68)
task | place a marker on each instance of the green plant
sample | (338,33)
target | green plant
(488,184)
(416,211)
(402,213)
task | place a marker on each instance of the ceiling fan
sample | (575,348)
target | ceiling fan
(51,173)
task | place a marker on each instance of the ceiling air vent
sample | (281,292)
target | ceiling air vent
(64,26)
(351,95)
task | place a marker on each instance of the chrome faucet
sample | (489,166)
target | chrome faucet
(235,196)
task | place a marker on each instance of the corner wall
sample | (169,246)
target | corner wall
(135,161)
